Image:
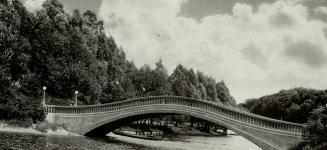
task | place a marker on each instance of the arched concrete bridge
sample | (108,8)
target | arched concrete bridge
(267,133)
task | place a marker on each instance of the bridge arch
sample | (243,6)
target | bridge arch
(100,119)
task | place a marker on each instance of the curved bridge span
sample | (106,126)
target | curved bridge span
(267,133)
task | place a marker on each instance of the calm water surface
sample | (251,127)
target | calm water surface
(23,141)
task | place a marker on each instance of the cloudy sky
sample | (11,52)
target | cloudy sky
(257,47)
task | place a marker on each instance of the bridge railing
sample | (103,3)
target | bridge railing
(222,110)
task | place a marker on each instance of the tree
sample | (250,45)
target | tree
(223,94)
(180,84)
(317,126)
(70,51)
(290,105)
(160,80)
(211,90)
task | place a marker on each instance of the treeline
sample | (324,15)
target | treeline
(292,105)
(70,51)
(299,105)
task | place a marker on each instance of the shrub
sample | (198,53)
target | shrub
(21,123)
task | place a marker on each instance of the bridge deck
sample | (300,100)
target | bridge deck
(224,110)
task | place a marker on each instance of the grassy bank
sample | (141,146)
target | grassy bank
(26,126)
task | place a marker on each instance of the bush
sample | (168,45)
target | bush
(321,147)
(19,107)
(316,126)
(20,123)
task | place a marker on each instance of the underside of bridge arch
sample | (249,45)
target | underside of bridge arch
(105,127)
(109,127)
(102,123)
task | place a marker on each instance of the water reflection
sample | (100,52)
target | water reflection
(40,142)
(25,141)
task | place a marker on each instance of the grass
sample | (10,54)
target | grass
(44,126)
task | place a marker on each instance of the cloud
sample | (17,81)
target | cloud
(229,47)
(282,20)
(33,5)
(307,53)
(254,54)
(321,10)
(320,13)
(82,5)
(285,13)
(242,10)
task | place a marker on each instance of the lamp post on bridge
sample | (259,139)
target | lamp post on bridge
(143,89)
(44,88)
(76,93)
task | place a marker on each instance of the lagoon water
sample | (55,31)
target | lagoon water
(26,141)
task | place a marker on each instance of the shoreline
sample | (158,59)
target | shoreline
(162,133)
(145,137)
(33,130)
(45,128)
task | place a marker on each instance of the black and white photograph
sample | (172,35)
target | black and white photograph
(163,74)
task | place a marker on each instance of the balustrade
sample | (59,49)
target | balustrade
(220,109)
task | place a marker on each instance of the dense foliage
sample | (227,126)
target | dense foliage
(317,126)
(316,131)
(297,105)
(291,105)
(70,51)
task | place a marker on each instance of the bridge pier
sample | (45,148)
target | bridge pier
(225,131)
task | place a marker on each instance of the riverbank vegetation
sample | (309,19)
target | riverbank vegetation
(299,105)
(70,51)
(167,127)
(177,124)
(169,131)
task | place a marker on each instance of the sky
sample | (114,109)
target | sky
(257,47)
